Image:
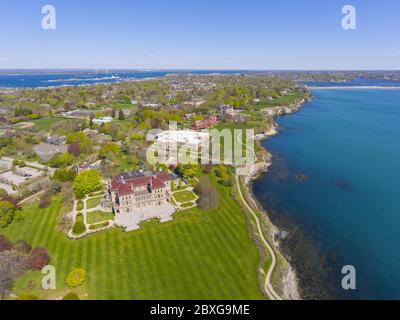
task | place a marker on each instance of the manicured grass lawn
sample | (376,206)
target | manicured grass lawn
(199,255)
(281,101)
(93,203)
(184,196)
(98,216)
(45,123)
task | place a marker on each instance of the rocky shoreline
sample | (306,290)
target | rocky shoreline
(290,285)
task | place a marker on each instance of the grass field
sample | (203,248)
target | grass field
(184,196)
(281,101)
(199,255)
(98,216)
(45,123)
(93,203)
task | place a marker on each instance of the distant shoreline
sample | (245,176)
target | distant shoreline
(352,87)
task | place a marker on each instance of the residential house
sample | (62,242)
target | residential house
(205,124)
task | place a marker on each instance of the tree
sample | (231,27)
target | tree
(76,277)
(7,211)
(61,160)
(74,149)
(64,175)
(189,171)
(121,115)
(87,182)
(109,151)
(113,113)
(208,195)
(37,259)
(85,144)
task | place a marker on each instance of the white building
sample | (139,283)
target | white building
(170,144)
(187,138)
(102,120)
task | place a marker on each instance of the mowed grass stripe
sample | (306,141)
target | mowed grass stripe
(181,261)
(122,268)
(131,263)
(108,273)
(145,271)
(193,257)
(214,261)
(199,247)
(154,265)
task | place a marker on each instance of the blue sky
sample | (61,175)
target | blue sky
(200,34)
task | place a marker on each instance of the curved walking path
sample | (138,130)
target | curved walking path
(268,286)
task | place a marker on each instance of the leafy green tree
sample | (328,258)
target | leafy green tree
(109,151)
(61,160)
(85,144)
(189,171)
(64,175)
(121,115)
(7,211)
(87,182)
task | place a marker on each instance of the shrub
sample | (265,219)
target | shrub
(99,225)
(3,194)
(71,296)
(76,277)
(5,244)
(27,296)
(79,228)
(79,205)
(37,259)
(22,246)
(44,201)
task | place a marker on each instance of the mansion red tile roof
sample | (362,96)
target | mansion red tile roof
(124,184)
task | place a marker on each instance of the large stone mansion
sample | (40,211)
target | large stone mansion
(130,192)
(135,197)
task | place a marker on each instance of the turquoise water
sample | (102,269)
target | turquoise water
(347,143)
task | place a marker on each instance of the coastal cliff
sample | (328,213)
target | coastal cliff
(289,282)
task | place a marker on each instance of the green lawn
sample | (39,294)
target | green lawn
(98,216)
(184,196)
(281,101)
(199,255)
(45,123)
(93,203)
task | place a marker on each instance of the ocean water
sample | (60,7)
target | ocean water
(334,185)
(355,82)
(43,79)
